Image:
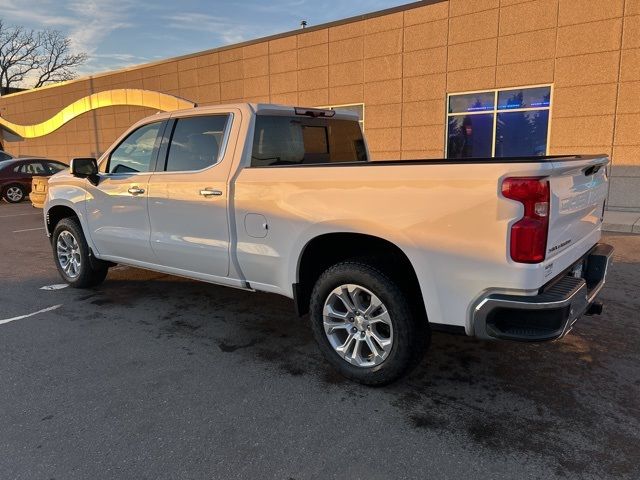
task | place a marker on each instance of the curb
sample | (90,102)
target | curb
(621,222)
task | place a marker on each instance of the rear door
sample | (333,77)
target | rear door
(28,170)
(578,194)
(188,195)
(18,174)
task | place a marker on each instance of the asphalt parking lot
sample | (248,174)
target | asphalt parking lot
(153,376)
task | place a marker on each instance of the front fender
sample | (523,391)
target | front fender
(73,197)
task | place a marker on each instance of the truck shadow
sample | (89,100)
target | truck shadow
(572,403)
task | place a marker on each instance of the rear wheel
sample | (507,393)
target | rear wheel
(364,324)
(14,193)
(74,260)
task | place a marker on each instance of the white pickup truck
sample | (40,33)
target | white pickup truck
(285,200)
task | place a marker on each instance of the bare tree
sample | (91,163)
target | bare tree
(18,55)
(30,58)
(57,63)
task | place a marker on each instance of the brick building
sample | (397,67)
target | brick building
(432,78)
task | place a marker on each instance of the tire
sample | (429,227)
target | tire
(73,258)
(405,334)
(14,193)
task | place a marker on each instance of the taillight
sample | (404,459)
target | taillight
(529,234)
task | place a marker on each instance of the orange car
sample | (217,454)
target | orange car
(38,191)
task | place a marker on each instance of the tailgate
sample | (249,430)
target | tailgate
(578,192)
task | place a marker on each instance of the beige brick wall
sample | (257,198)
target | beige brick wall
(625,180)
(401,66)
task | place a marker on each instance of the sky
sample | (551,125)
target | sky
(120,33)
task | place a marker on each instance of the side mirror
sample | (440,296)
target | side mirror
(85,168)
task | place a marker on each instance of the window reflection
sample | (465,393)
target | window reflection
(135,153)
(284,140)
(521,134)
(517,125)
(524,98)
(470,136)
(472,102)
(357,108)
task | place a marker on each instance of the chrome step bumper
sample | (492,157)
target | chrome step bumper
(550,314)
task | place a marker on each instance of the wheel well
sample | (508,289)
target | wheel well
(57,213)
(326,250)
(4,187)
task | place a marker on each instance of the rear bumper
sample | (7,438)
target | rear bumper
(550,314)
(37,199)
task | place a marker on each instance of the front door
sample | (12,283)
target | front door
(188,197)
(117,208)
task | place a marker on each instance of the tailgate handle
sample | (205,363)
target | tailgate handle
(592,170)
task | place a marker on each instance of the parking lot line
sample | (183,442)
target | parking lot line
(57,286)
(48,309)
(28,230)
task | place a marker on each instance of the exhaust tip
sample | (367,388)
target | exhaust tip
(594,309)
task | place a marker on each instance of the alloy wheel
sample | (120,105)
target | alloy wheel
(68,252)
(358,325)
(14,194)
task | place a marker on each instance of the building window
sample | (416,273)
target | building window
(499,123)
(353,107)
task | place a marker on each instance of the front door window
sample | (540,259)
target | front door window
(137,153)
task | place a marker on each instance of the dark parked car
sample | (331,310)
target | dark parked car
(16,175)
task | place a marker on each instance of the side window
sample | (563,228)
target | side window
(34,168)
(136,153)
(196,143)
(55,167)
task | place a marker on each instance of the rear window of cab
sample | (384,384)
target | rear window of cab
(286,140)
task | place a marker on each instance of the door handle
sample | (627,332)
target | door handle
(210,192)
(136,191)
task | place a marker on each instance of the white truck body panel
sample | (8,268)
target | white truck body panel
(456,240)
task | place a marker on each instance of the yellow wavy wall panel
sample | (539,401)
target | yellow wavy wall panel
(109,98)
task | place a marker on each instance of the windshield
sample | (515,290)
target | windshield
(5,163)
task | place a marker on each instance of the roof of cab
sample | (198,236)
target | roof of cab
(257,108)
(275,109)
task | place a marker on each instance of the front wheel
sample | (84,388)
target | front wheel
(14,194)
(73,257)
(364,324)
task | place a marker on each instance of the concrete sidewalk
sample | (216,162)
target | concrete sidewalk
(626,222)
